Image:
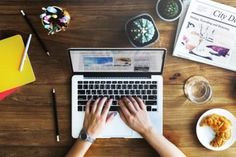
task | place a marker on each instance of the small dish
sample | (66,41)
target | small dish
(205,134)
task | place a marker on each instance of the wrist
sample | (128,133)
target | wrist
(85,136)
(147,131)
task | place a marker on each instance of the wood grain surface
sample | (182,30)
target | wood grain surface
(26,118)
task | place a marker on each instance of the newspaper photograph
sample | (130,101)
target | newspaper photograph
(208,34)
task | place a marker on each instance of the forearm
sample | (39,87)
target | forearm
(79,149)
(164,147)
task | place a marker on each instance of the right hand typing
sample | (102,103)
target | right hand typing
(133,112)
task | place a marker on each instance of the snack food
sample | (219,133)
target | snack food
(221,126)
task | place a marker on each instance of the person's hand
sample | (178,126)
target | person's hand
(133,112)
(97,116)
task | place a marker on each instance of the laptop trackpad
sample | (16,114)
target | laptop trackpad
(117,128)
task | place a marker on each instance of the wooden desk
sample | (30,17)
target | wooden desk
(26,121)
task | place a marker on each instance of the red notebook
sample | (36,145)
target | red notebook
(6,93)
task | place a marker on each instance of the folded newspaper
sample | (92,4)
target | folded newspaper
(208,34)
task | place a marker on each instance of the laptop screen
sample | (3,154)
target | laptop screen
(117,60)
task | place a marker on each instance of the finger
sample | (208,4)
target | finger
(94,106)
(129,105)
(107,107)
(110,117)
(134,102)
(88,104)
(100,105)
(124,109)
(122,116)
(141,103)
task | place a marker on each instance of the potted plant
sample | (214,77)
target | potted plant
(169,10)
(141,30)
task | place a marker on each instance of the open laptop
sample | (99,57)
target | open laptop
(114,73)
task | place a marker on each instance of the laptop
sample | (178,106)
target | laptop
(115,73)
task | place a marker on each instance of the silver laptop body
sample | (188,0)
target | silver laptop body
(117,72)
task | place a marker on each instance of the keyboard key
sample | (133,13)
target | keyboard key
(94,92)
(121,92)
(140,87)
(96,86)
(81,92)
(90,86)
(104,92)
(82,103)
(137,82)
(110,92)
(154,109)
(80,82)
(153,86)
(101,86)
(113,86)
(114,108)
(142,82)
(126,82)
(135,86)
(131,82)
(88,92)
(80,87)
(154,91)
(115,91)
(154,82)
(119,82)
(149,82)
(144,97)
(80,108)
(138,92)
(149,108)
(85,86)
(91,82)
(145,86)
(108,82)
(97,82)
(82,97)
(152,97)
(118,86)
(143,92)
(149,92)
(132,92)
(123,86)
(129,86)
(85,82)
(107,86)
(127,92)
(151,102)
(114,82)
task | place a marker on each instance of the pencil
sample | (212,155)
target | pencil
(25,53)
(55,114)
(34,30)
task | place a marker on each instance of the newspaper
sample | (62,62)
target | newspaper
(208,34)
(117,61)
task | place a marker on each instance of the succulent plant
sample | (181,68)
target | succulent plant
(141,30)
(169,9)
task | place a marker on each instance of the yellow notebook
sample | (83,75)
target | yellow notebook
(11,51)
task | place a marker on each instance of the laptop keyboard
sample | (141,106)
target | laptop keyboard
(146,90)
